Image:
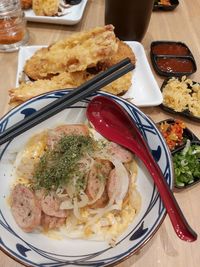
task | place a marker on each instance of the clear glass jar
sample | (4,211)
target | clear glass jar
(13,32)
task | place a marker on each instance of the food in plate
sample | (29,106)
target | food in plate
(71,180)
(48,7)
(26,4)
(63,81)
(123,51)
(45,8)
(173,133)
(187,164)
(75,53)
(71,62)
(182,95)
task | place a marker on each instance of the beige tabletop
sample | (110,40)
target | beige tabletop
(182,24)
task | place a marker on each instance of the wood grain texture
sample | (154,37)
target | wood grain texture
(182,24)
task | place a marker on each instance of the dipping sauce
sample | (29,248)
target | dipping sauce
(170,49)
(170,65)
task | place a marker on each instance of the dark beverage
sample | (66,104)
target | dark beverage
(129,17)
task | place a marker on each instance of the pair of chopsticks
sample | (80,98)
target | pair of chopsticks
(81,92)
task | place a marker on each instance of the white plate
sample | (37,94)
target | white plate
(144,90)
(36,249)
(73,16)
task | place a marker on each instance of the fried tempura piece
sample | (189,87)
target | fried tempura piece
(73,79)
(75,53)
(26,4)
(30,89)
(123,51)
(63,81)
(45,8)
(119,86)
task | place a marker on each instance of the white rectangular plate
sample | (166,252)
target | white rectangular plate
(144,90)
(73,16)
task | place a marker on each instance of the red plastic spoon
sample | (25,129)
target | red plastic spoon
(114,123)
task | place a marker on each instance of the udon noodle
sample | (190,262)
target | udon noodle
(73,182)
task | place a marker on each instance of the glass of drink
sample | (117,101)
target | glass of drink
(129,17)
(13,32)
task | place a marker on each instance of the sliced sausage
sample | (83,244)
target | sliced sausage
(119,152)
(51,206)
(25,208)
(51,222)
(101,202)
(56,134)
(97,179)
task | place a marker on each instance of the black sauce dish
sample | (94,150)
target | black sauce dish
(171,58)
(186,133)
(188,139)
(162,7)
(185,113)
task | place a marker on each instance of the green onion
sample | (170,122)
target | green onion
(187,165)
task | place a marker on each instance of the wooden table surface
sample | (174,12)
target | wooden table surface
(182,24)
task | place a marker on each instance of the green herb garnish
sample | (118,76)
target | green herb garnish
(58,166)
(187,165)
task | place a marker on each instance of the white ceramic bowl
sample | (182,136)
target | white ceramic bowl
(36,249)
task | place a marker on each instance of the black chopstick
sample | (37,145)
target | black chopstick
(69,99)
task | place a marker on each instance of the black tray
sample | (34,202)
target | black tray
(185,113)
(159,7)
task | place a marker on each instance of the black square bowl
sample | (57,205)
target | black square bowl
(187,133)
(186,113)
(161,7)
(171,58)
